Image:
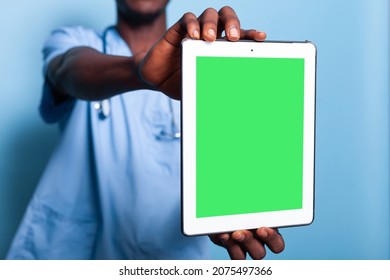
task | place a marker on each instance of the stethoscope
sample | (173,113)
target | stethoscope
(103,107)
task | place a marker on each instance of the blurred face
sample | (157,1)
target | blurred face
(141,11)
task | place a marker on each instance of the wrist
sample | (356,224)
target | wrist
(138,69)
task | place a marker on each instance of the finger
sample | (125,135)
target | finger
(250,244)
(230,22)
(252,34)
(233,248)
(209,22)
(272,238)
(215,239)
(191,24)
(187,25)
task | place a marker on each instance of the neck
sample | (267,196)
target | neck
(141,36)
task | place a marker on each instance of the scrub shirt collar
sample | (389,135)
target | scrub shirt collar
(115,43)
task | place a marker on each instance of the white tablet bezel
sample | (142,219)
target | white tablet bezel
(190,50)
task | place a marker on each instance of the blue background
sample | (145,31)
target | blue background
(352,155)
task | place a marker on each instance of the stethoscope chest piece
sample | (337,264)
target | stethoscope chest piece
(104,108)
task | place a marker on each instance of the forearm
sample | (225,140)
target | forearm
(84,73)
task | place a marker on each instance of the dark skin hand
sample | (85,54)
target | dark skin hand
(167,78)
(253,242)
(87,74)
(167,52)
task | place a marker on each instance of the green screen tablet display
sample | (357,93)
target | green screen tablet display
(249,135)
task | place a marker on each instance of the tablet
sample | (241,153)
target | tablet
(248,135)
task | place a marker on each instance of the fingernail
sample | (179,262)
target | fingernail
(261,35)
(240,237)
(211,32)
(195,34)
(224,237)
(263,234)
(234,32)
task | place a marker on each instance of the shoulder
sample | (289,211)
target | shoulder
(64,38)
(75,34)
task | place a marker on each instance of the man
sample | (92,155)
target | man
(112,188)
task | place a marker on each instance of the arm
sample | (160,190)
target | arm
(85,73)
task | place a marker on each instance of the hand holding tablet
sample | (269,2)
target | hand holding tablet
(248,116)
(160,69)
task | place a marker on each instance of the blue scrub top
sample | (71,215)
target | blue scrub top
(111,189)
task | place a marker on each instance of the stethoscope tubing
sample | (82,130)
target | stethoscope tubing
(104,106)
